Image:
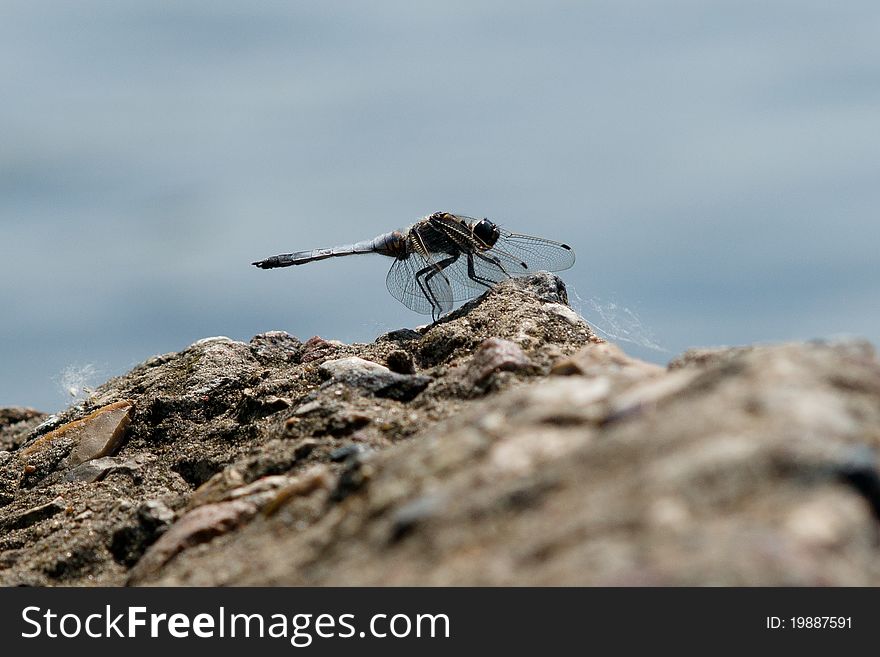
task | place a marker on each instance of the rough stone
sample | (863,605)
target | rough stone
(129,542)
(98,434)
(198,526)
(535,488)
(374,378)
(401,362)
(97,469)
(15,425)
(16,415)
(753,465)
(347,451)
(277,347)
(11,473)
(495,355)
(317,348)
(351,369)
(34,515)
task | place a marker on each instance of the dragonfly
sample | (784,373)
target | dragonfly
(446,258)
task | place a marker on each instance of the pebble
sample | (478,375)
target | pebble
(401,362)
(858,468)
(352,367)
(155,513)
(276,344)
(601,359)
(96,435)
(216,488)
(374,378)
(495,355)
(34,515)
(96,469)
(49,423)
(200,525)
(414,513)
(257,492)
(317,348)
(211,340)
(14,415)
(344,452)
(305,447)
(400,335)
(564,312)
(318,477)
(308,407)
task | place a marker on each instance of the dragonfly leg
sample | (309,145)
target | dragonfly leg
(428,273)
(492,259)
(472,274)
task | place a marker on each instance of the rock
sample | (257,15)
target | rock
(400,335)
(97,469)
(11,474)
(277,346)
(401,362)
(305,447)
(98,434)
(548,288)
(745,456)
(15,415)
(33,515)
(316,478)
(351,369)
(223,487)
(860,468)
(198,526)
(217,487)
(495,355)
(346,451)
(308,407)
(410,515)
(604,359)
(253,405)
(16,424)
(317,349)
(155,513)
(374,378)
(575,464)
(195,471)
(565,313)
(129,542)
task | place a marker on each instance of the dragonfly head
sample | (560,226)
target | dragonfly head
(487,232)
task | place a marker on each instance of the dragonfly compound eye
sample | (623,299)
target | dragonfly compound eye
(487,232)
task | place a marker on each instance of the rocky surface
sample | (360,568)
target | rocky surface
(506,444)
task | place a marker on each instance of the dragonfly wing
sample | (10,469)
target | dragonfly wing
(525,254)
(419,285)
(467,284)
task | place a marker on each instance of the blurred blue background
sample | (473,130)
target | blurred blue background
(715,166)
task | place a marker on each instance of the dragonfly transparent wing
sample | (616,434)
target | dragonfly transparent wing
(525,254)
(467,284)
(418,285)
(513,255)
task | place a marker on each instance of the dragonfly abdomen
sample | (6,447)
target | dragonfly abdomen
(389,244)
